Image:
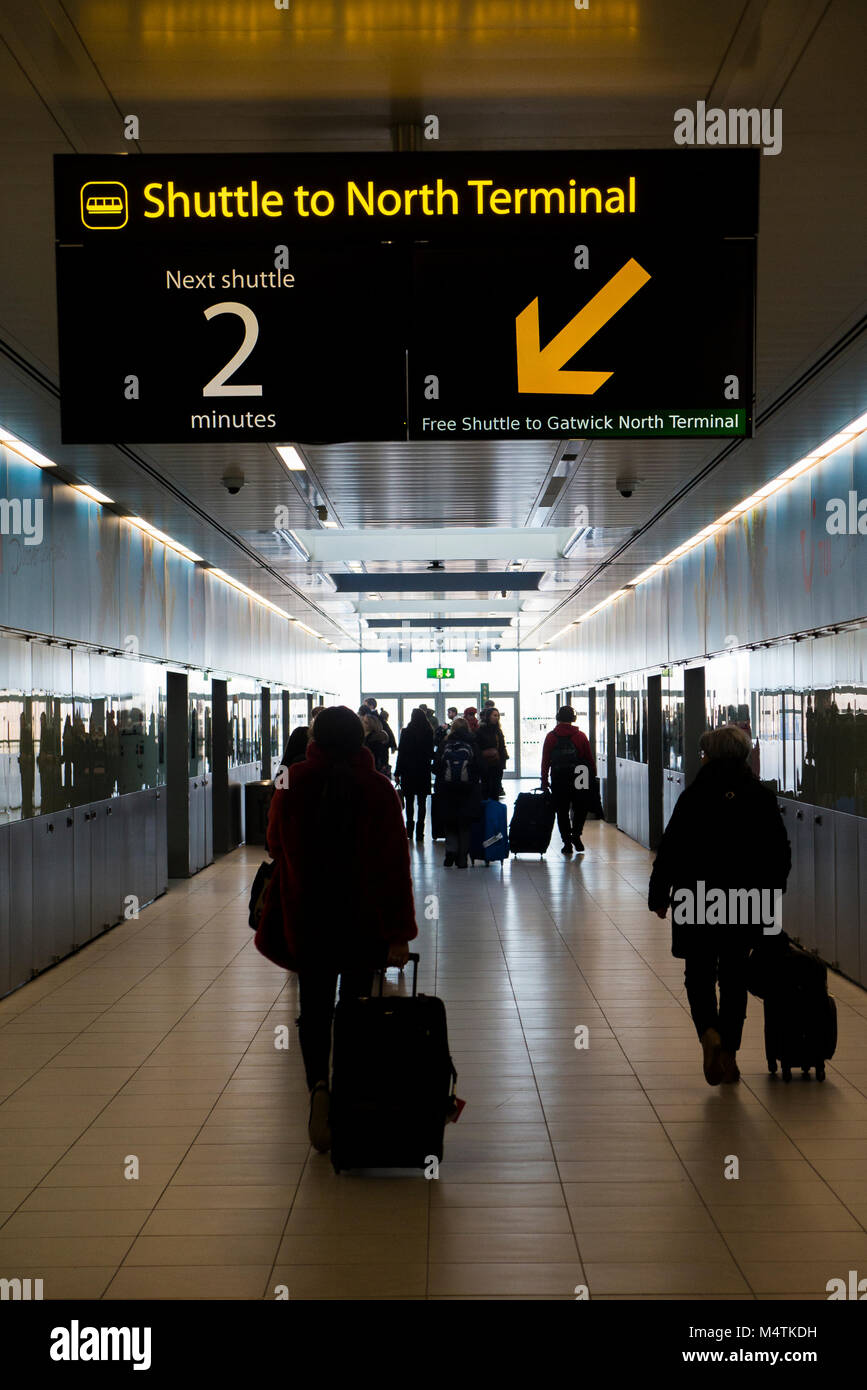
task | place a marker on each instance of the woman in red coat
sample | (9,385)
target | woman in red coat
(342,873)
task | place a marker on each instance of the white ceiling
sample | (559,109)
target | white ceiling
(341,75)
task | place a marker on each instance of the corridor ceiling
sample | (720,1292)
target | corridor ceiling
(349,75)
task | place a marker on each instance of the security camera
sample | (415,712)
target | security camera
(233,481)
(496,646)
(626,486)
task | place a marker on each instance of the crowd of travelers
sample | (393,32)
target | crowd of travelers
(726,829)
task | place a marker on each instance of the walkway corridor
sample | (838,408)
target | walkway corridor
(601,1166)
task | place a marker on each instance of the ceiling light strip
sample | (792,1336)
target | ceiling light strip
(837,441)
(161,536)
(26,451)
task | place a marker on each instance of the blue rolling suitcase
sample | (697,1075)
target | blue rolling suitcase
(490,836)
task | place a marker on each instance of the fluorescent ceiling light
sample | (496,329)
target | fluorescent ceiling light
(577,536)
(93,493)
(236,584)
(305,628)
(292,459)
(837,441)
(161,536)
(800,467)
(618,593)
(28,452)
(770,487)
(645,574)
(830,446)
(330,525)
(355,566)
(735,512)
(297,547)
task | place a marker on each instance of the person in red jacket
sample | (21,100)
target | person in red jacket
(567,759)
(345,911)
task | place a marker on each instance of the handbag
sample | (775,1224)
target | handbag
(259,893)
(491,754)
(266,918)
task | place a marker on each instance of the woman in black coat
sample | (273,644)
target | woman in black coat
(494,755)
(722,865)
(412,769)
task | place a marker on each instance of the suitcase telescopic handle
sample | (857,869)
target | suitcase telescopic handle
(414,957)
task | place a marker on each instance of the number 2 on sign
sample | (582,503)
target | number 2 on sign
(216,386)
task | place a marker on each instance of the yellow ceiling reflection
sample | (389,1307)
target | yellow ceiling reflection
(385,24)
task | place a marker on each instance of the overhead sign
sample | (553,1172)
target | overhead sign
(440,673)
(210,298)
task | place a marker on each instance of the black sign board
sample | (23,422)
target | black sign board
(209,298)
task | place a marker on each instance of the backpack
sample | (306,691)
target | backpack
(457,758)
(564,757)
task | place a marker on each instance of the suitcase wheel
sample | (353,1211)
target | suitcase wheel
(787,1073)
(820,1072)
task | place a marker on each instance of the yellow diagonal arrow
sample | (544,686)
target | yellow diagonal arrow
(539,368)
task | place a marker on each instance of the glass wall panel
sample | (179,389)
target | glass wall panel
(276,730)
(76,727)
(727,690)
(601,749)
(672,720)
(297,713)
(200,723)
(245,721)
(813,746)
(631,718)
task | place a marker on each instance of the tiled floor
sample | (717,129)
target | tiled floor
(602,1166)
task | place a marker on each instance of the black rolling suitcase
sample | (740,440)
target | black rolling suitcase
(800,1014)
(532,822)
(393,1081)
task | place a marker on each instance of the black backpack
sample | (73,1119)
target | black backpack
(564,757)
(457,761)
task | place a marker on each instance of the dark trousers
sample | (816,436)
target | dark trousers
(458,842)
(492,779)
(571,806)
(316,987)
(704,968)
(414,796)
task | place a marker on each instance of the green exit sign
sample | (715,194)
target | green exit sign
(440,673)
